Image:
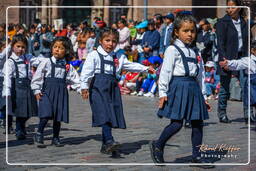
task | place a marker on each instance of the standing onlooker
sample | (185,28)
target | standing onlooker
(151,40)
(165,40)
(2,32)
(204,39)
(45,39)
(232,37)
(124,34)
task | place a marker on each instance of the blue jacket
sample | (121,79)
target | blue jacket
(151,39)
(227,40)
(168,39)
(206,39)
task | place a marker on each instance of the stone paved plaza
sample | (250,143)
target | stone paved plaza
(82,142)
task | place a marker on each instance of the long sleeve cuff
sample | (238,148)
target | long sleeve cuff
(162,94)
(84,86)
(37,92)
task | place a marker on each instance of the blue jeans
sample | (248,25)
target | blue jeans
(209,88)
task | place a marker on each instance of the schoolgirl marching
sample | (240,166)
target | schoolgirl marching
(99,83)
(181,89)
(16,87)
(49,84)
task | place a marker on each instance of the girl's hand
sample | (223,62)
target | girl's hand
(209,107)
(161,102)
(85,94)
(224,64)
(38,96)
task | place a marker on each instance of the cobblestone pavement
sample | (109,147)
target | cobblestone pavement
(82,142)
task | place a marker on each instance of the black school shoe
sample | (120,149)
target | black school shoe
(157,155)
(20,135)
(225,119)
(56,142)
(39,140)
(110,147)
(199,160)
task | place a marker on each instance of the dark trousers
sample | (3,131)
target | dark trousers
(175,126)
(107,134)
(56,127)
(224,94)
(10,118)
(21,124)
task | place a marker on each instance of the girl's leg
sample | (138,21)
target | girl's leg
(156,147)
(56,129)
(56,132)
(196,137)
(42,124)
(168,132)
(20,130)
(107,134)
(39,136)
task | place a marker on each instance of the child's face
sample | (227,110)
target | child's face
(108,43)
(19,48)
(187,32)
(208,69)
(151,27)
(82,45)
(58,50)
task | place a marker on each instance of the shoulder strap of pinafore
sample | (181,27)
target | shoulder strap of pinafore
(184,60)
(103,62)
(17,68)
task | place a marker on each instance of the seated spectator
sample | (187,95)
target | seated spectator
(149,84)
(211,80)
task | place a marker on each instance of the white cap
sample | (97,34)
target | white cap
(209,64)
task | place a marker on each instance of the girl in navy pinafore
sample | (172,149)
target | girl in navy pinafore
(49,84)
(21,101)
(181,97)
(99,83)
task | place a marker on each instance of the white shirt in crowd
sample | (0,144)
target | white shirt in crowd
(9,66)
(44,71)
(3,59)
(92,65)
(173,66)
(243,63)
(237,24)
(124,36)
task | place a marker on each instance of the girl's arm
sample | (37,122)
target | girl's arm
(240,64)
(8,73)
(38,78)
(132,66)
(88,70)
(124,35)
(73,78)
(166,71)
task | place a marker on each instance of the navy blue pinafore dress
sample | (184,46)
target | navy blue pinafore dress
(185,98)
(23,101)
(252,90)
(105,98)
(54,102)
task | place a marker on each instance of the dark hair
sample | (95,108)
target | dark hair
(18,38)
(108,31)
(151,22)
(66,42)
(253,44)
(123,21)
(242,11)
(178,22)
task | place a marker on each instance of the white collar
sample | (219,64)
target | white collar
(253,57)
(14,56)
(103,52)
(54,59)
(236,22)
(179,43)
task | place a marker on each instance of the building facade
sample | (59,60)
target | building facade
(110,15)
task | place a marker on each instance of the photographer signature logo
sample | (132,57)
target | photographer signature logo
(218,151)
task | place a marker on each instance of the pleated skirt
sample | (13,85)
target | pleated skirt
(185,100)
